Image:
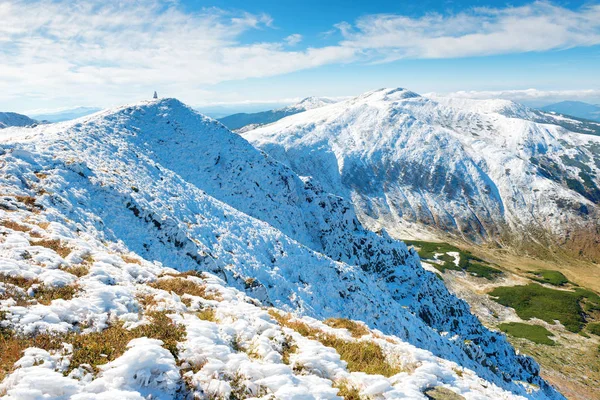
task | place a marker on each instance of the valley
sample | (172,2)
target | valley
(569,355)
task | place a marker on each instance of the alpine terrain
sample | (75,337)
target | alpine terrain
(253,120)
(482,171)
(148,252)
(13,119)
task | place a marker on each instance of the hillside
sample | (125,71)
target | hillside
(486,172)
(240,120)
(13,119)
(97,213)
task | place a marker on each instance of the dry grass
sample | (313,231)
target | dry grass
(54,244)
(181,286)
(356,330)
(45,294)
(147,300)
(197,274)
(207,314)
(43,225)
(77,270)
(288,347)
(361,356)
(23,283)
(346,391)
(27,200)
(130,259)
(14,226)
(12,346)
(21,299)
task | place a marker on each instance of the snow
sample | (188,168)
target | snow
(154,188)
(439,166)
(13,119)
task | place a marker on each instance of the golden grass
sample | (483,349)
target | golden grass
(14,226)
(207,314)
(130,259)
(98,348)
(54,244)
(181,286)
(288,347)
(27,200)
(45,294)
(22,282)
(360,355)
(346,391)
(356,330)
(94,348)
(43,225)
(77,270)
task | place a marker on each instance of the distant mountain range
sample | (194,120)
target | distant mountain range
(66,115)
(240,120)
(13,119)
(577,109)
(485,171)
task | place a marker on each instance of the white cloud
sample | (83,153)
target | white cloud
(293,39)
(529,96)
(95,52)
(539,26)
(114,51)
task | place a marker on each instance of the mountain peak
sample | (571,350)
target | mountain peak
(13,119)
(309,103)
(390,94)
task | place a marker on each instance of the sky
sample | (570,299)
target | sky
(62,54)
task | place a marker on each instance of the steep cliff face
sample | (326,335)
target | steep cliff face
(479,170)
(177,188)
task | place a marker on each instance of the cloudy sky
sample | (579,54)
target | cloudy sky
(56,54)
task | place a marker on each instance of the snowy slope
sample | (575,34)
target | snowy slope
(13,119)
(241,120)
(177,188)
(122,289)
(480,170)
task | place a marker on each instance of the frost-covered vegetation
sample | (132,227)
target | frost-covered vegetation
(112,212)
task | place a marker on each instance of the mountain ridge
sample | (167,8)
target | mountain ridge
(484,171)
(8,119)
(241,120)
(577,109)
(114,176)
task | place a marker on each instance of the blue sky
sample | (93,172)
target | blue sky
(56,54)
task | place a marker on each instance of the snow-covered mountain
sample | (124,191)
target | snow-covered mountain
(576,109)
(13,119)
(240,120)
(130,193)
(485,171)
